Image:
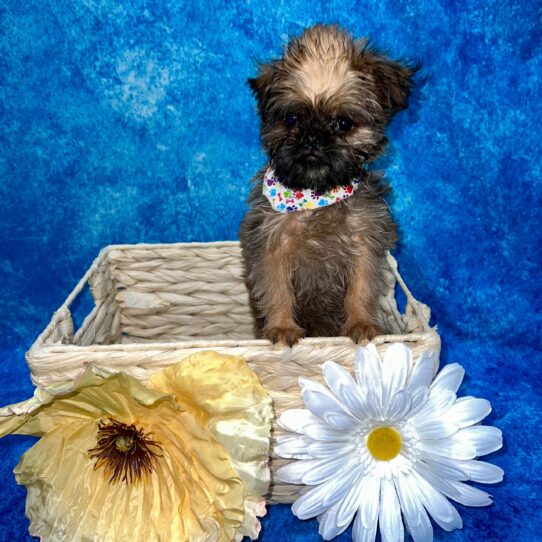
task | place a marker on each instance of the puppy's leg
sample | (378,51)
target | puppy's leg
(361,298)
(277,299)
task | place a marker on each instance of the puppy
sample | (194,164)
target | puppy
(318,228)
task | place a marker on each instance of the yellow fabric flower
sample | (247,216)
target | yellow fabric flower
(182,459)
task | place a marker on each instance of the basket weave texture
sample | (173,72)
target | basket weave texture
(156,304)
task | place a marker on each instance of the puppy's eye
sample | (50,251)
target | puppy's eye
(290,119)
(345,124)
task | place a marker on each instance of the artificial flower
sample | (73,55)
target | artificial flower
(394,441)
(227,399)
(122,461)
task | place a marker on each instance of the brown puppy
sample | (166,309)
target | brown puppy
(323,109)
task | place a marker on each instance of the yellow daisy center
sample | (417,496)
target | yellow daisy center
(384,443)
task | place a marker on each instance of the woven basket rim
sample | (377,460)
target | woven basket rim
(229,343)
(63,313)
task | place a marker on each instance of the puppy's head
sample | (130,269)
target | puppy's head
(324,106)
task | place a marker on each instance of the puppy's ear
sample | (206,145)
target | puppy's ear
(392,79)
(261,84)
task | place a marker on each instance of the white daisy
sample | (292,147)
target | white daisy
(394,441)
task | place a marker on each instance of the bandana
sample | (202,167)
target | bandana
(286,200)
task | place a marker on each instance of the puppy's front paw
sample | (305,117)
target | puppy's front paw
(284,335)
(360,331)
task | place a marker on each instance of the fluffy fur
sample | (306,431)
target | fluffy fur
(324,107)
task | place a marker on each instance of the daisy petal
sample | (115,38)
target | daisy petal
(458,491)
(361,533)
(345,388)
(317,500)
(293,447)
(323,432)
(438,506)
(451,469)
(368,368)
(373,405)
(296,419)
(438,403)
(468,495)
(484,438)
(312,472)
(328,526)
(396,368)
(349,505)
(423,371)
(468,411)
(400,405)
(336,377)
(416,517)
(480,471)
(323,404)
(449,447)
(389,519)
(419,400)
(324,469)
(300,420)
(409,504)
(435,429)
(328,448)
(449,378)
(355,402)
(368,511)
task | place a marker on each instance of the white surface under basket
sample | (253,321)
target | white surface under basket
(156,304)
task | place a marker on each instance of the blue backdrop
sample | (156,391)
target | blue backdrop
(130,121)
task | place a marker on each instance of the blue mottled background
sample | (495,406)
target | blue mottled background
(130,121)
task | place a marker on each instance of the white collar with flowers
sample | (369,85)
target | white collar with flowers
(287,200)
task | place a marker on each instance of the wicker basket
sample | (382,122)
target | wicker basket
(155,304)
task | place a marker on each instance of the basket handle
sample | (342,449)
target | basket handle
(61,328)
(420,311)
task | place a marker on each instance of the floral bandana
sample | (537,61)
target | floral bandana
(286,200)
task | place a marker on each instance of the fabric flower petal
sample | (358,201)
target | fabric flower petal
(118,460)
(337,518)
(449,378)
(400,405)
(322,403)
(389,521)
(435,429)
(482,472)
(449,447)
(52,491)
(293,447)
(440,509)
(436,406)
(318,499)
(483,438)
(312,471)
(368,369)
(305,422)
(369,506)
(446,467)
(360,533)
(423,371)
(296,419)
(416,517)
(344,388)
(468,411)
(396,369)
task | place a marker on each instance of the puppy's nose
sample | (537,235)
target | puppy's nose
(312,141)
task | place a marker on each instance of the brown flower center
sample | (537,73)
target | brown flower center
(124,451)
